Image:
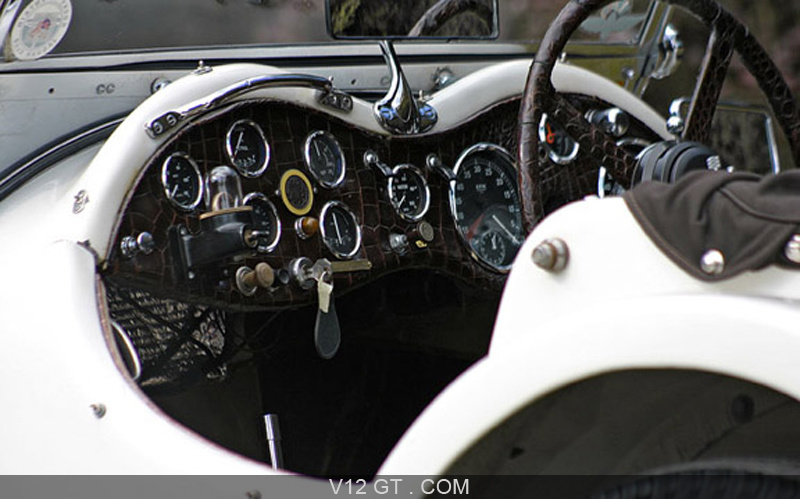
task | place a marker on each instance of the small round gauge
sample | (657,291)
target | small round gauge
(182,181)
(39,28)
(484,201)
(247,148)
(561,148)
(296,192)
(324,159)
(409,192)
(493,247)
(340,230)
(265,221)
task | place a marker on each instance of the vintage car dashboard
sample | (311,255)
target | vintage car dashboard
(251,205)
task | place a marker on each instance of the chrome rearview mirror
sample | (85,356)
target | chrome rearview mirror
(402,19)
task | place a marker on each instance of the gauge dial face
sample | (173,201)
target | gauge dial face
(247,148)
(409,192)
(296,192)
(324,159)
(265,221)
(560,147)
(182,182)
(340,230)
(484,201)
(493,247)
(39,28)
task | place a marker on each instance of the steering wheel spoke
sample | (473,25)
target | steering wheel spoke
(713,71)
(599,149)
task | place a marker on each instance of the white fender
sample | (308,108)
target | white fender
(619,305)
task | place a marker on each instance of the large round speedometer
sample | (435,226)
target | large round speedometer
(484,201)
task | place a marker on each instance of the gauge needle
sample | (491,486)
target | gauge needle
(336,226)
(174,191)
(238,144)
(505,229)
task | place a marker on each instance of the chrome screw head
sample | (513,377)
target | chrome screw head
(81,198)
(676,125)
(712,263)
(792,249)
(99,410)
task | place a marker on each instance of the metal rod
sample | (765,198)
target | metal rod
(274,440)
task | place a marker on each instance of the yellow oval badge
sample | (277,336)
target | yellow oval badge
(296,192)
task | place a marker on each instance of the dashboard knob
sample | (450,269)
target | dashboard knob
(613,121)
(132,246)
(306,227)
(249,280)
(422,234)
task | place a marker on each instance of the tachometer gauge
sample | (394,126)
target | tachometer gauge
(560,147)
(39,28)
(484,201)
(296,192)
(340,230)
(409,192)
(182,182)
(265,221)
(324,159)
(247,148)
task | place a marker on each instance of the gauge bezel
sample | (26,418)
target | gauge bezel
(299,211)
(229,148)
(278,227)
(426,192)
(198,176)
(462,158)
(323,232)
(337,151)
(554,156)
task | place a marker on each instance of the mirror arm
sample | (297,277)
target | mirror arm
(398,111)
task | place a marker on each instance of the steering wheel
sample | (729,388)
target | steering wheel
(545,186)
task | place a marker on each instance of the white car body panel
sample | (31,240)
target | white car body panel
(619,305)
(562,348)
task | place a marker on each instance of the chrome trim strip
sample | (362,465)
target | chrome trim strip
(9,14)
(161,124)
(132,353)
(6,179)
